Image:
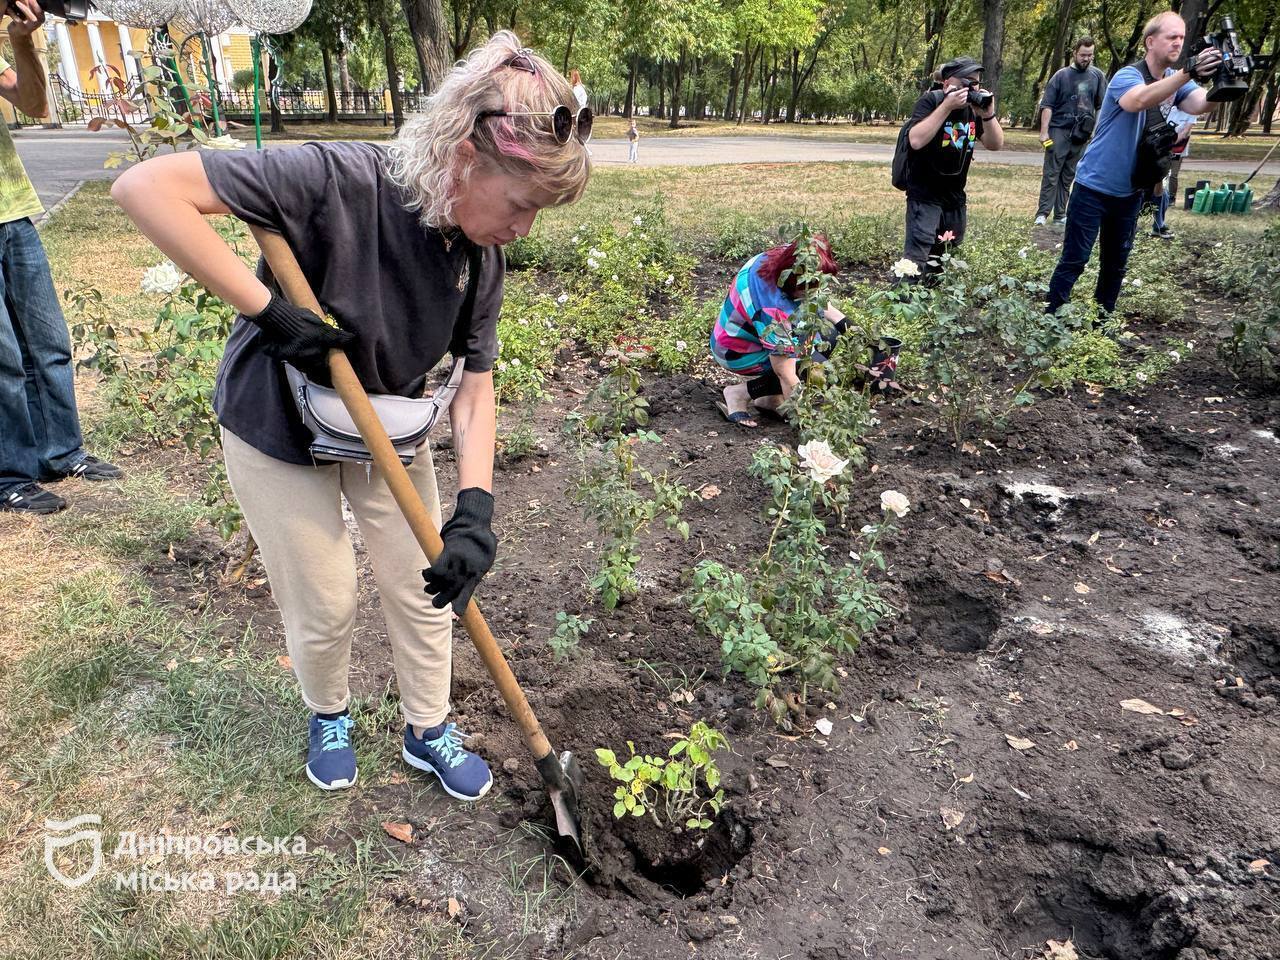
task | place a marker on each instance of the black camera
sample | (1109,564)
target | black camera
(980,98)
(1230,81)
(67,9)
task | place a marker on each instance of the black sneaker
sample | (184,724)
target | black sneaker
(90,467)
(1163,233)
(31,498)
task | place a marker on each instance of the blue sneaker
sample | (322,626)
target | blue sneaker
(462,773)
(331,760)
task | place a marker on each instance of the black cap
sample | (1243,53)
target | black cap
(959,67)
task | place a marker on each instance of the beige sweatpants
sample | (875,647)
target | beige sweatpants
(295,515)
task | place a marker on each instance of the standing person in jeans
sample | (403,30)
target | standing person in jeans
(633,143)
(1068,111)
(403,247)
(1168,191)
(40,438)
(1105,201)
(944,129)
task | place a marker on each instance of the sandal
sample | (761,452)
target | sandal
(741,418)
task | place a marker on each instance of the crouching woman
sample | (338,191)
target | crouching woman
(753,337)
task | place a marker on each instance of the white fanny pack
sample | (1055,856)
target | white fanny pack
(407,420)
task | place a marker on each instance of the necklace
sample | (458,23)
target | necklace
(461,276)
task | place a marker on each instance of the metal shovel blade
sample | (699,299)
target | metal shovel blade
(563,778)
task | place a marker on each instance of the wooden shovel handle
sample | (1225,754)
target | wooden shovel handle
(284,265)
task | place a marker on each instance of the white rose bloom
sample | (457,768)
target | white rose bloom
(592,262)
(563,298)
(1137,281)
(593,252)
(574,238)
(614,277)
(817,457)
(906,268)
(515,361)
(1023,253)
(1177,357)
(681,345)
(224,142)
(1140,377)
(638,221)
(891,501)
(162,278)
(670,280)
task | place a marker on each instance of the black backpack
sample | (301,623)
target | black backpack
(1155,145)
(901,157)
(902,149)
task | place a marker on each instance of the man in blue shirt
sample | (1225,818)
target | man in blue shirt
(1105,202)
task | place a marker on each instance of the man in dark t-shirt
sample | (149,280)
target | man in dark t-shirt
(944,128)
(1068,110)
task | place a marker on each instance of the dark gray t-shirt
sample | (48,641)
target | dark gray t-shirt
(1070,92)
(373,266)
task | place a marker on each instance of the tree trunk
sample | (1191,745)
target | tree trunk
(633,68)
(662,90)
(697,96)
(731,100)
(935,22)
(344,73)
(331,95)
(273,73)
(393,69)
(1062,35)
(430,40)
(1190,11)
(1269,106)
(993,45)
(568,47)
(677,80)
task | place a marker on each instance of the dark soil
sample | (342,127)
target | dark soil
(1106,548)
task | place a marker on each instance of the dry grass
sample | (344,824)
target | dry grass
(35,559)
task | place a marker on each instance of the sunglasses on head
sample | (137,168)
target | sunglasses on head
(564,122)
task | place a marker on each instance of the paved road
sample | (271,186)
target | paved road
(57,160)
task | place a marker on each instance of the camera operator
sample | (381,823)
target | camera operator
(1068,113)
(945,125)
(39,428)
(1107,194)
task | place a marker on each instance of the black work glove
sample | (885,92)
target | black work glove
(469,549)
(297,336)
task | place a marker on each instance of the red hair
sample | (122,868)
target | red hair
(783,258)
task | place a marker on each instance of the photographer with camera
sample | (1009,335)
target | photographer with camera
(40,437)
(944,127)
(1130,153)
(1068,114)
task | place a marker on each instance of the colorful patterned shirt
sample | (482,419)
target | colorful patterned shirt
(741,340)
(18,197)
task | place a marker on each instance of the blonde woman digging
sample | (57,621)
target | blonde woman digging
(403,246)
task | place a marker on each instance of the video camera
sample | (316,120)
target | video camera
(1230,81)
(67,9)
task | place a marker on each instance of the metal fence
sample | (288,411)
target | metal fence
(74,107)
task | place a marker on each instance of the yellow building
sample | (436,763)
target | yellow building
(90,52)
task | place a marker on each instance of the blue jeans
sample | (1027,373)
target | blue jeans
(39,426)
(1094,216)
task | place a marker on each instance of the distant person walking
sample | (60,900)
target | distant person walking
(579,93)
(1068,113)
(633,143)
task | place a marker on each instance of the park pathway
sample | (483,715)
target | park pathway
(57,160)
